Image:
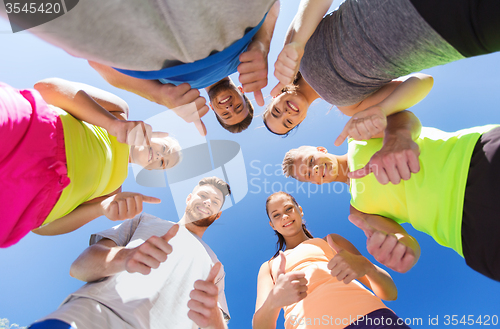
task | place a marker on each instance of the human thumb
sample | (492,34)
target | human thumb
(362,224)
(282,268)
(213,272)
(332,244)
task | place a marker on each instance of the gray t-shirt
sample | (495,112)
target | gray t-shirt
(150,35)
(132,300)
(367,43)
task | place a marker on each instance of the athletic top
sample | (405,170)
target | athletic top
(97,164)
(365,44)
(327,298)
(432,199)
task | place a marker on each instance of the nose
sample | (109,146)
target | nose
(208,203)
(316,169)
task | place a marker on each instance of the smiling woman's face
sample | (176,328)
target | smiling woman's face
(285,112)
(285,216)
(164,153)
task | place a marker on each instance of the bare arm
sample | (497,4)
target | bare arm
(120,206)
(253,67)
(95,106)
(349,264)
(387,241)
(106,258)
(304,24)
(369,117)
(266,312)
(184,101)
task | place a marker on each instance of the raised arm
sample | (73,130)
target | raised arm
(387,241)
(95,106)
(398,157)
(348,264)
(184,101)
(369,117)
(304,24)
(289,288)
(253,67)
(120,206)
(106,258)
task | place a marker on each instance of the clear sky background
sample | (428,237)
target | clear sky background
(34,274)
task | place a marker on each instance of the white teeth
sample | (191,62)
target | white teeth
(293,107)
(225,100)
(288,224)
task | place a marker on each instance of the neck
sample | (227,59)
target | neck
(196,230)
(343,169)
(294,241)
(309,93)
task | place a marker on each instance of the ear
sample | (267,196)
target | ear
(240,88)
(189,197)
(159,134)
(271,224)
(218,215)
(301,212)
(321,149)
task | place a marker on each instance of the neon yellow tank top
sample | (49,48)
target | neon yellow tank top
(97,164)
(431,200)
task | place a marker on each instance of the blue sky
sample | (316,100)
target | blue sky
(34,275)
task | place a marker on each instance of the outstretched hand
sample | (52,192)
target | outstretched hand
(290,287)
(287,65)
(203,308)
(396,160)
(364,125)
(346,266)
(253,70)
(386,247)
(150,254)
(186,103)
(125,205)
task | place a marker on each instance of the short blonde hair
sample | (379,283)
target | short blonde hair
(288,165)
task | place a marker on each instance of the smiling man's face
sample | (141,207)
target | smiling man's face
(204,205)
(227,101)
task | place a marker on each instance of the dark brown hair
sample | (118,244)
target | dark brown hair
(293,86)
(243,124)
(217,183)
(281,243)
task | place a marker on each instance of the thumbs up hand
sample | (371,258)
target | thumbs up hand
(387,248)
(290,287)
(203,308)
(345,265)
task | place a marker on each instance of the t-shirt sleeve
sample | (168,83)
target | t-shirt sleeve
(222,296)
(120,234)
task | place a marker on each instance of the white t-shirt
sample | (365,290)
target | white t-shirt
(149,35)
(157,300)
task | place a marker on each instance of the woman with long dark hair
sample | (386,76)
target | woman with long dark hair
(315,280)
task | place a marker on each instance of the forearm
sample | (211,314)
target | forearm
(403,124)
(266,31)
(266,316)
(149,89)
(381,283)
(79,104)
(99,261)
(407,94)
(306,20)
(80,216)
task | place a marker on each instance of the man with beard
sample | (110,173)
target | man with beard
(141,273)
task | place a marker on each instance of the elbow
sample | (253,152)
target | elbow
(392,295)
